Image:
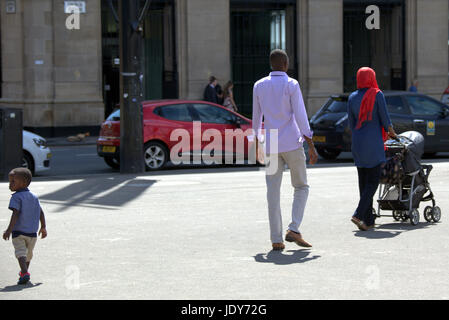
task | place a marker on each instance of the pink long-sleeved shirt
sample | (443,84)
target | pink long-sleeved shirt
(279,100)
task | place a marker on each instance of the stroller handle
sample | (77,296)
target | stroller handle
(398,139)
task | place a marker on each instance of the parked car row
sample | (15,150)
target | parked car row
(408,111)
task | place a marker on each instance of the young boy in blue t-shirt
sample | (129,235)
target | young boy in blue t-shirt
(26,214)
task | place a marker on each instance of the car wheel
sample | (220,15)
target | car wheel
(155,155)
(28,162)
(328,154)
(113,162)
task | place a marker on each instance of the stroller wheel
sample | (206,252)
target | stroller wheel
(428,214)
(436,214)
(404,216)
(397,215)
(375,214)
(414,217)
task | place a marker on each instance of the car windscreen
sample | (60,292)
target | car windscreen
(336,105)
(114,116)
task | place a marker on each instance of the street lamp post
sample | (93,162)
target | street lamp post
(131,88)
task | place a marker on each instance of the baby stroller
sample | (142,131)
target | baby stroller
(404,180)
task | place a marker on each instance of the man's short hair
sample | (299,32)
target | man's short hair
(212,79)
(278,59)
(23,173)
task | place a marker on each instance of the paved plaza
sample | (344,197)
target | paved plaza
(203,234)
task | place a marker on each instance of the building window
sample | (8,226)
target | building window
(258,27)
(277,35)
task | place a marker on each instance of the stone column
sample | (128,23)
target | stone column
(12,59)
(427,48)
(320,41)
(302,13)
(411,40)
(51,72)
(78,79)
(203,42)
(27,60)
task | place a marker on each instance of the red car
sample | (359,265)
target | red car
(445,96)
(162,117)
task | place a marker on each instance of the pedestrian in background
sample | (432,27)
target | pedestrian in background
(228,97)
(210,93)
(26,214)
(219,92)
(278,99)
(369,121)
(414,86)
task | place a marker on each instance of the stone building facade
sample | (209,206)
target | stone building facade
(53,73)
(67,79)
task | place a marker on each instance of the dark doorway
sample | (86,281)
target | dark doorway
(159,67)
(160,77)
(256,29)
(111,61)
(381,49)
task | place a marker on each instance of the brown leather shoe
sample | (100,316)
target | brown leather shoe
(360,224)
(278,246)
(296,238)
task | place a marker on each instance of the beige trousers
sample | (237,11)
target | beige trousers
(296,161)
(24,246)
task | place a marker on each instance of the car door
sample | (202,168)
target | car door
(429,120)
(225,122)
(173,117)
(400,114)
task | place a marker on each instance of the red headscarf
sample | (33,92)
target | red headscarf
(366,78)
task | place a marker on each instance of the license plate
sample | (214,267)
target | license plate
(319,138)
(108,149)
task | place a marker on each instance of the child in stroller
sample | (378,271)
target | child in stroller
(405,181)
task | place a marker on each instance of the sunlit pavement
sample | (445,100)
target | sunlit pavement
(203,234)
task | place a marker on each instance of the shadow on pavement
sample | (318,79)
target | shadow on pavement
(173,170)
(396,229)
(376,234)
(404,226)
(199,169)
(279,258)
(97,192)
(20,287)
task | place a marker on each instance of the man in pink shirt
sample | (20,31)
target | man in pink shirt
(278,99)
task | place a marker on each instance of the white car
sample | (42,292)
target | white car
(36,154)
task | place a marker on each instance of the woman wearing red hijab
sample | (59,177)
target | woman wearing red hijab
(369,121)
